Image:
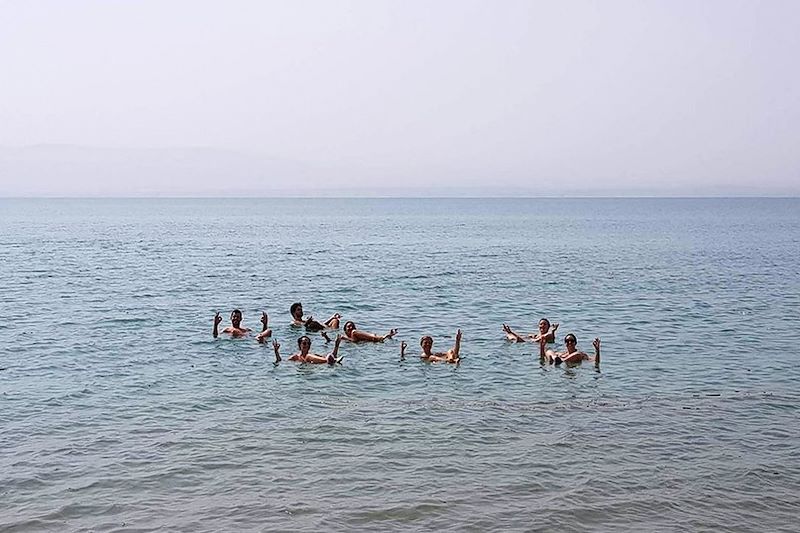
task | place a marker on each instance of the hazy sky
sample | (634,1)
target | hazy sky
(560,96)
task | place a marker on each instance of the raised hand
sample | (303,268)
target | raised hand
(596,344)
(458,336)
(217,319)
(506,328)
(403,346)
(277,347)
(392,333)
(265,319)
(554,327)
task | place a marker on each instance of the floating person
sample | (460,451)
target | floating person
(235,329)
(303,356)
(572,355)
(426,342)
(354,335)
(545,330)
(296,310)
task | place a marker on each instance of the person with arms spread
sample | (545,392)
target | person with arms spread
(236,330)
(426,342)
(545,330)
(572,355)
(304,354)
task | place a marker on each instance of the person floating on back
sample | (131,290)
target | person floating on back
(296,310)
(426,342)
(545,330)
(354,335)
(572,355)
(304,355)
(236,330)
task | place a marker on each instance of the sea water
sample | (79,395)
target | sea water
(120,411)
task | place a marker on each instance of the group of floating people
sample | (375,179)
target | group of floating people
(546,334)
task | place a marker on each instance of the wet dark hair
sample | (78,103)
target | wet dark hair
(349,322)
(294,307)
(545,321)
(425,337)
(570,336)
(236,312)
(299,340)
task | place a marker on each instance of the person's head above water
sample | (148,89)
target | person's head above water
(544,325)
(427,343)
(296,310)
(570,340)
(236,318)
(304,343)
(349,326)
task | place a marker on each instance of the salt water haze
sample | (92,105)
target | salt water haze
(399,98)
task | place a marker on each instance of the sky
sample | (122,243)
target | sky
(378,97)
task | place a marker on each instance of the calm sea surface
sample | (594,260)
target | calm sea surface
(119,411)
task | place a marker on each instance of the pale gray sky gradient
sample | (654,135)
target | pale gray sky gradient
(561,97)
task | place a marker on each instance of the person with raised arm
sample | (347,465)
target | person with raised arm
(235,329)
(572,355)
(426,342)
(296,310)
(266,332)
(354,335)
(304,355)
(545,330)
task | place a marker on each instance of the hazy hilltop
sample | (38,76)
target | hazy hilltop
(67,170)
(56,170)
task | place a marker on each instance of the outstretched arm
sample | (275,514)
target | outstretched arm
(217,320)
(277,348)
(456,347)
(551,333)
(336,344)
(511,335)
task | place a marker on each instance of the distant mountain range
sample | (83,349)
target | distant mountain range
(80,171)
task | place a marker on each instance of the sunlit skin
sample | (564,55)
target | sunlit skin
(296,310)
(572,355)
(354,335)
(304,354)
(428,355)
(546,330)
(235,329)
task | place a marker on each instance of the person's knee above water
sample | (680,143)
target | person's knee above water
(296,310)
(571,355)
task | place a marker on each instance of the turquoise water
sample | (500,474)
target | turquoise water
(118,410)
